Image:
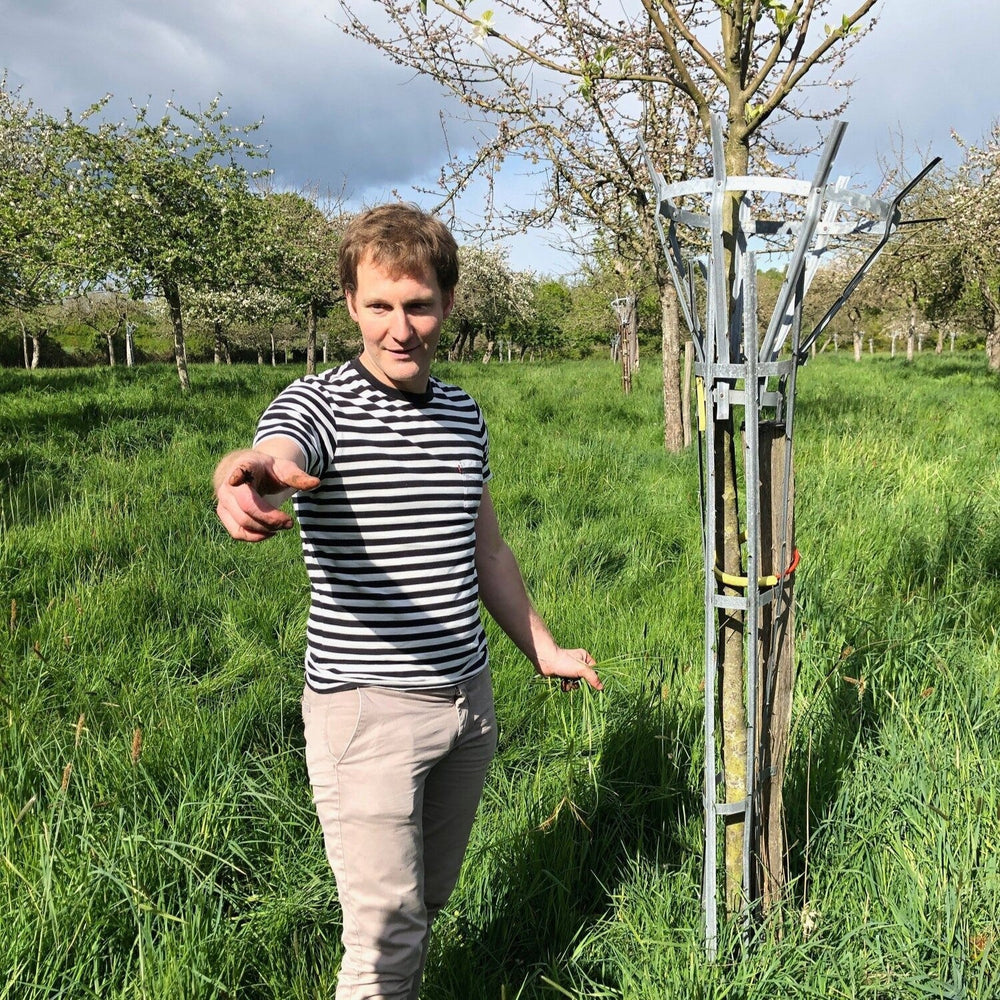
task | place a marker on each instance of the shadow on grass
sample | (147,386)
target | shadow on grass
(553,881)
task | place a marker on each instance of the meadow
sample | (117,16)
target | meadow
(157,839)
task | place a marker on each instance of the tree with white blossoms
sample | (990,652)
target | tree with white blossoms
(171,204)
(43,242)
(537,74)
(491,299)
(975,209)
(300,241)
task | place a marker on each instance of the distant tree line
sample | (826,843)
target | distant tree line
(163,237)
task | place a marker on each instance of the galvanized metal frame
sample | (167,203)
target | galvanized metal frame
(739,368)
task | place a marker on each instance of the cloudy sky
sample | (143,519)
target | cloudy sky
(338,117)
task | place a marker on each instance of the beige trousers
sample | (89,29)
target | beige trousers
(396,778)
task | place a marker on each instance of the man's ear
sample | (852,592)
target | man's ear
(447,303)
(349,299)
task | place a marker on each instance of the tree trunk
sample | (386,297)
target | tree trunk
(173,296)
(36,349)
(633,336)
(673,413)
(911,330)
(626,364)
(110,337)
(732,703)
(625,310)
(312,315)
(777,655)
(457,349)
(487,357)
(274,350)
(24,341)
(129,344)
(217,345)
(993,329)
(858,344)
(992,349)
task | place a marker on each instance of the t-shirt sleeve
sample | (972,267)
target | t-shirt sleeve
(302,412)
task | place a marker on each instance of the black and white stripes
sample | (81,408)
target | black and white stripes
(389,535)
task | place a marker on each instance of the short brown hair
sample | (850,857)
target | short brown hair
(402,239)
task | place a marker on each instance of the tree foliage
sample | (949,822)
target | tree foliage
(300,244)
(975,207)
(171,203)
(571,85)
(42,238)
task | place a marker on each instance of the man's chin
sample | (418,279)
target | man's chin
(408,376)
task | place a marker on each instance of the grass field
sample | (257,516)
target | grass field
(157,838)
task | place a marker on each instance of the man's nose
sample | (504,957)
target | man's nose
(400,325)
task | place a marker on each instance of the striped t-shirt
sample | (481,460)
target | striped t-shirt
(389,534)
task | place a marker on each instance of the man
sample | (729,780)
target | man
(389,468)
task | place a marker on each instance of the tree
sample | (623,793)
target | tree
(566,85)
(106,313)
(551,302)
(919,274)
(42,239)
(975,204)
(491,299)
(300,247)
(170,204)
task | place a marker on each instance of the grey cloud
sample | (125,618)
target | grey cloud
(336,115)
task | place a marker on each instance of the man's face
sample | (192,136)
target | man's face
(400,320)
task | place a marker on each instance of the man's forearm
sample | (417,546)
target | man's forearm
(502,591)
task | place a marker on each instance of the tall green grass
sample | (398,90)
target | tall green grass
(156,834)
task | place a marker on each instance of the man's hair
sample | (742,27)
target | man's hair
(401,239)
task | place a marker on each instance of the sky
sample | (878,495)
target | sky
(340,118)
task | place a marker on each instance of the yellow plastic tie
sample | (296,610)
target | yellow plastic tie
(729,580)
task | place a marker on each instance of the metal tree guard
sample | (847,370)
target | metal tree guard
(625,312)
(737,367)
